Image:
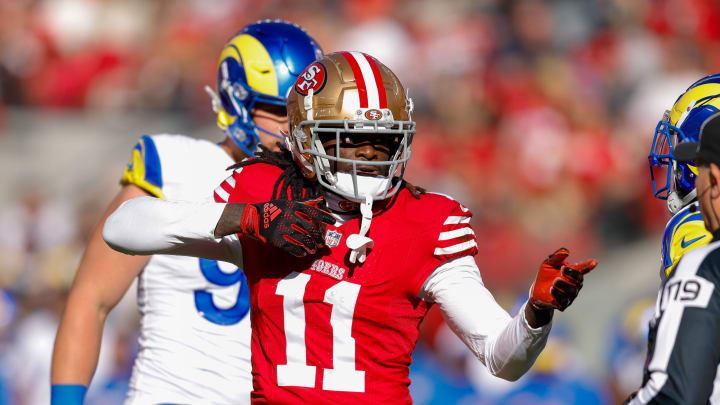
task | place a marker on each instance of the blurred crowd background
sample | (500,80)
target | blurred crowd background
(537,114)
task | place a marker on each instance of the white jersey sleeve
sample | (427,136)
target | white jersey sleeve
(148,225)
(507,346)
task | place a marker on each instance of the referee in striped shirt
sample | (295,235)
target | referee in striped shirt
(684,341)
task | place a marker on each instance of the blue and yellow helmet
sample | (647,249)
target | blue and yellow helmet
(257,66)
(672,180)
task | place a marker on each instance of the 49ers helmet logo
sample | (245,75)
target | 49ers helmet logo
(314,77)
(373,114)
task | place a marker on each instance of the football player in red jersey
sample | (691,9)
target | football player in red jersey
(337,292)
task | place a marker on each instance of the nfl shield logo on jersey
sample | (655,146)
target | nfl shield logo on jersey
(332,238)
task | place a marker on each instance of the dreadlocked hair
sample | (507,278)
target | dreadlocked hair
(291,184)
(415,191)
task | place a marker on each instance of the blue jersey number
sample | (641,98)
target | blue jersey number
(204,301)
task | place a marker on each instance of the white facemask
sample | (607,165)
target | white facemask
(373,186)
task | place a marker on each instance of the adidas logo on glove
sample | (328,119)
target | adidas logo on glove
(270,212)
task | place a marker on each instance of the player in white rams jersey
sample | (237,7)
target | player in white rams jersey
(195,332)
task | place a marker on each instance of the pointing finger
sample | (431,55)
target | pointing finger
(558,257)
(584,267)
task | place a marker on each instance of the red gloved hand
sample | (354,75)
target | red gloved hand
(297,227)
(558,283)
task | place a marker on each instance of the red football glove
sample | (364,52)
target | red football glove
(297,227)
(558,283)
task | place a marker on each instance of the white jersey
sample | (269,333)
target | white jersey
(195,329)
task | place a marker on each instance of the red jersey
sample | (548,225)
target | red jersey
(325,330)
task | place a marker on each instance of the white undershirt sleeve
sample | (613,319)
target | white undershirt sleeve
(507,346)
(148,225)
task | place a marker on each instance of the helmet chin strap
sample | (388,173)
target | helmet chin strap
(675,203)
(358,243)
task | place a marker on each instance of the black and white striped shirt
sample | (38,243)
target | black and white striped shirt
(683,360)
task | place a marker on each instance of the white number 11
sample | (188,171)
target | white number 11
(343,376)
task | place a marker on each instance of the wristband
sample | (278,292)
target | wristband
(67,394)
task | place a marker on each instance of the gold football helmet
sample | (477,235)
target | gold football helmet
(349,93)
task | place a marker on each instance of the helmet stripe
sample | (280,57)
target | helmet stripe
(359,80)
(256,61)
(378,81)
(369,79)
(693,95)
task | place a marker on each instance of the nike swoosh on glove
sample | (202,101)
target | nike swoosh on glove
(297,227)
(558,283)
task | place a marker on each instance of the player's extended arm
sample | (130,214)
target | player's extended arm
(101,280)
(148,226)
(507,346)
